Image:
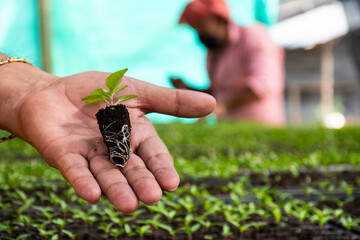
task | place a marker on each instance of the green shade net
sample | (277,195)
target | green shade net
(19,31)
(109,35)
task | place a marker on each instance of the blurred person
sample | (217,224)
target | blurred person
(245,67)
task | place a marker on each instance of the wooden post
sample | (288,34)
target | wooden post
(45,37)
(327,79)
(294,94)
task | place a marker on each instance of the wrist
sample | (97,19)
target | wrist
(18,81)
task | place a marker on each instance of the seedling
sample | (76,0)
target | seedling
(128,230)
(87,218)
(170,230)
(237,220)
(187,203)
(116,232)
(121,221)
(46,233)
(114,120)
(109,213)
(58,201)
(321,217)
(142,230)
(60,223)
(23,220)
(70,234)
(349,223)
(190,229)
(155,222)
(276,212)
(161,208)
(300,214)
(106,228)
(7,227)
(213,205)
(226,231)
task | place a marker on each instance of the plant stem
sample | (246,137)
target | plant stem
(107,102)
(89,229)
(59,233)
(321,232)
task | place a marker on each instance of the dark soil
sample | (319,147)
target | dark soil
(289,229)
(114,124)
(293,230)
(275,179)
(353,207)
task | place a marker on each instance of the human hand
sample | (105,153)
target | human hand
(64,131)
(179,83)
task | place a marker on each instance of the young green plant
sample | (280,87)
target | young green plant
(114,120)
(112,83)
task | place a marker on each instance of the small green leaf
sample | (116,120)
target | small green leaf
(100,91)
(93,99)
(128,230)
(119,88)
(70,234)
(125,97)
(195,227)
(97,95)
(55,237)
(226,231)
(166,227)
(23,236)
(115,79)
(245,227)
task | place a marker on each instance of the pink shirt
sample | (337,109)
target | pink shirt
(251,59)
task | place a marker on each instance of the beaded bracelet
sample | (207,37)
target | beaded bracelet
(2,62)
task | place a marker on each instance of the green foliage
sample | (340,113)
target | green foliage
(189,225)
(142,230)
(349,222)
(7,227)
(276,212)
(115,232)
(112,83)
(46,233)
(226,230)
(128,230)
(88,218)
(33,195)
(222,151)
(187,203)
(322,216)
(105,227)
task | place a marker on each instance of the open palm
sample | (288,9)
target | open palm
(65,132)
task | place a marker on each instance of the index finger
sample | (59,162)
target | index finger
(180,103)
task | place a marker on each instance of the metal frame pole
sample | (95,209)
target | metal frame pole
(327,79)
(45,36)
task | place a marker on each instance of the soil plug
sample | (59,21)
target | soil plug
(113,121)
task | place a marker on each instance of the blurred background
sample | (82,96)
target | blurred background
(64,37)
